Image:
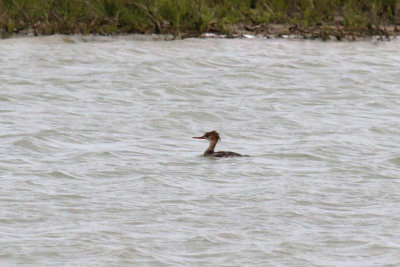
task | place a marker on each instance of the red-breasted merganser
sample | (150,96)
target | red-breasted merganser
(213,138)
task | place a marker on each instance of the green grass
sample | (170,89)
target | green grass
(188,16)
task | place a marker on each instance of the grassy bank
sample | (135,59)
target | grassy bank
(194,17)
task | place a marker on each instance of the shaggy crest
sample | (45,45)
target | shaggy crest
(212,134)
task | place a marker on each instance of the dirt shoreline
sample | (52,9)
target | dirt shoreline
(331,33)
(270,31)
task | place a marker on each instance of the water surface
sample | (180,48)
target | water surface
(98,166)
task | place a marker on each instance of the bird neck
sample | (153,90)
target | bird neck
(210,149)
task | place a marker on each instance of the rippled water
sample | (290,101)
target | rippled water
(98,166)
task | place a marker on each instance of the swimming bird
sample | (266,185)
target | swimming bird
(213,138)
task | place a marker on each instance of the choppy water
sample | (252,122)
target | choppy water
(98,166)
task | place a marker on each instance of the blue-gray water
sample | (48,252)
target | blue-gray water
(98,166)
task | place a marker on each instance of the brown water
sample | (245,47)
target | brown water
(98,166)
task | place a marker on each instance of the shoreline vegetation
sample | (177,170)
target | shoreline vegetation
(308,19)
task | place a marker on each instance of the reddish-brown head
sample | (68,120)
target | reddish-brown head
(210,136)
